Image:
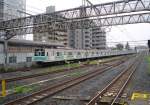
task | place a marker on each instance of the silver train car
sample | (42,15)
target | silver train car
(54,55)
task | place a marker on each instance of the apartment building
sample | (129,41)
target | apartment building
(91,38)
(55,36)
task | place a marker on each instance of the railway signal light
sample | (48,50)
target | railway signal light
(149,43)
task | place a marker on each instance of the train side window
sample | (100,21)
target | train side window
(69,53)
(58,53)
(47,53)
(36,52)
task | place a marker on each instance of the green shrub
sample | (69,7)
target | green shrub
(148,60)
(2,69)
(21,89)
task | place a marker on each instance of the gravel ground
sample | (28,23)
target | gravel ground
(40,78)
(25,73)
(44,85)
(51,82)
(86,89)
(48,83)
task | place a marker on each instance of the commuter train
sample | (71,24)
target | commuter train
(53,55)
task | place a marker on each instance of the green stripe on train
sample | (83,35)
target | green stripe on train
(40,58)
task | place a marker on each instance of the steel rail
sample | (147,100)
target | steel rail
(125,84)
(42,94)
(94,100)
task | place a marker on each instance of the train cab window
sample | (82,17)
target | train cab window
(36,52)
(58,53)
(39,52)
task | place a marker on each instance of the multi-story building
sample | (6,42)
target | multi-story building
(91,38)
(87,38)
(98,38)
(54,36)
(80,39)
(50,9)
(10,9)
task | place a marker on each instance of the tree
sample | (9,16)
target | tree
(127,46)
(119,46)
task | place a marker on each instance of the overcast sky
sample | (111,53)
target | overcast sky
(117,33)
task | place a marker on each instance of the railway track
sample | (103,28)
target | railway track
(42,94)
(53,72)
(113,91)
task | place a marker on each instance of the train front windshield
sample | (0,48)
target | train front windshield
(39,52)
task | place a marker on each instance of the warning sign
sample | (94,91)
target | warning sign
(141,96)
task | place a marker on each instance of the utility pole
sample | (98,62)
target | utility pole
(6,44)
(82,15)
(6,52)
(149,45)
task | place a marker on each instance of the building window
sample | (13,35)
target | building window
(13,59)
(28,59)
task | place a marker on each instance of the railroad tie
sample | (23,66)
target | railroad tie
(39,97)
(27,102)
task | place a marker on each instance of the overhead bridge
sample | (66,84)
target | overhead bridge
(105,14)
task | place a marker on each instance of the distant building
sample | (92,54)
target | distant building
(87,38)
(55,36)
(141,48)
(50,9)
(91,38)
(98,38)
(10,9)
(80,39)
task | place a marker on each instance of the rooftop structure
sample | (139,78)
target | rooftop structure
(32,43)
